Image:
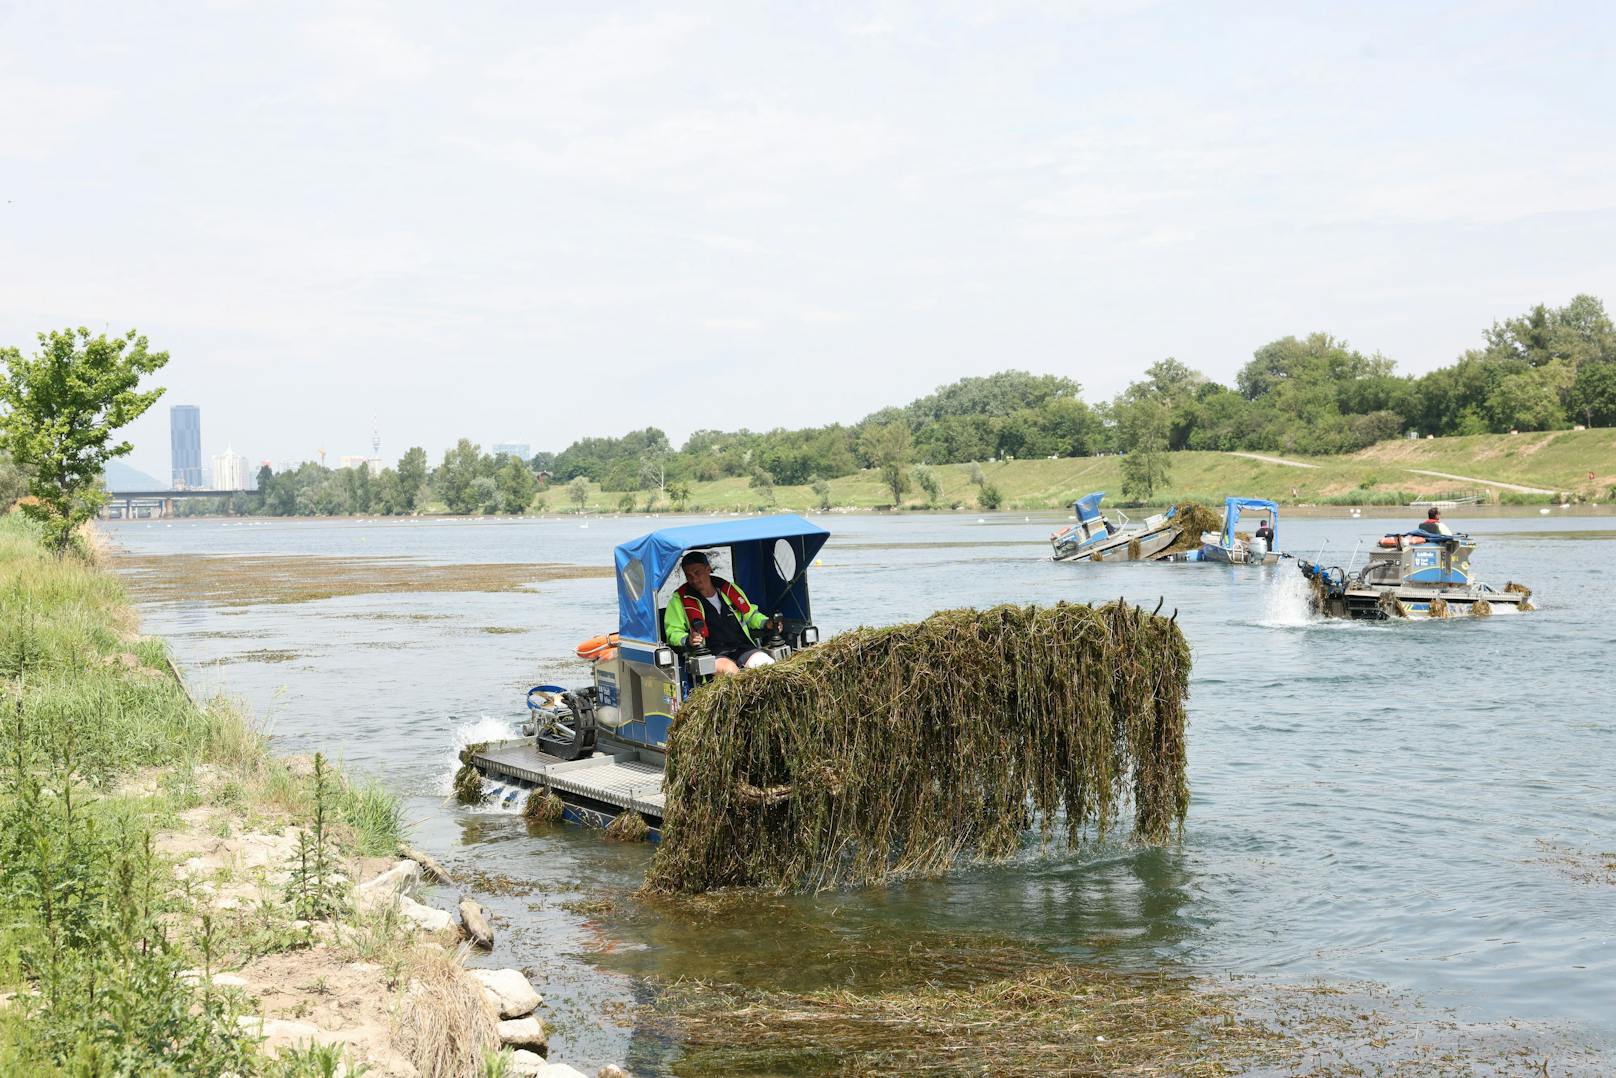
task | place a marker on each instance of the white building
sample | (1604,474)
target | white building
(371,464)
(229,471)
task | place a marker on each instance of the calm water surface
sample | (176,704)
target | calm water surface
(1409,805)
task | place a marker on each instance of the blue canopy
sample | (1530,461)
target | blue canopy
(1233,507)
(644,565)
(1087,507)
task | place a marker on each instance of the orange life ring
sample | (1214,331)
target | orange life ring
(1393,542)
(596,648)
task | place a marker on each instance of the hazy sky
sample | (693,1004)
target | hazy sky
(533,222)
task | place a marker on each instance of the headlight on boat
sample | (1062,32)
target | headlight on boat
(809,635)
(664,658)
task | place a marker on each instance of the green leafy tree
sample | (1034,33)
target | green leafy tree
(61,409)
(1142,435)
(763,483)
(388,496)
(457,476)
(821,491)
(1593,394)
(411,477)
(517,485)
(578,492)
(926,480)
(485,492)
(988,496)
(680,494)
(888,447)
(13,481)
(625,504)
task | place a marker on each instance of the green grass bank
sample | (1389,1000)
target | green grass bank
(108,952)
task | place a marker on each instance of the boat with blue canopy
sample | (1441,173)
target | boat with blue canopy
(1412,573)
(1095,537)
(601,748)
(1231,546)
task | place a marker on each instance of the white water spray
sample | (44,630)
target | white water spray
(484,728)
(1286,604)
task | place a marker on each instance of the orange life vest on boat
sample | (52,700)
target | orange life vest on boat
(696,607)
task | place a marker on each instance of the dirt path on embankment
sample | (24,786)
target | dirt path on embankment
(1274,460)
(1516,487)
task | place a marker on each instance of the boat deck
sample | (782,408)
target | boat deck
(625,780)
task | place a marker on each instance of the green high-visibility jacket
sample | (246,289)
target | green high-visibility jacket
(676,620)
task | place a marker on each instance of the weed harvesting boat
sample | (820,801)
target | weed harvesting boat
(600,750)
(1096,538)
(1408,574)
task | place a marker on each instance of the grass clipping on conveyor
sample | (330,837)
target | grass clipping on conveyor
(907,750)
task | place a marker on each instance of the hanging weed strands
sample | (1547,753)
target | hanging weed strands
(906,750)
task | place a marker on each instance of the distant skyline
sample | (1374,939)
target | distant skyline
(537,224)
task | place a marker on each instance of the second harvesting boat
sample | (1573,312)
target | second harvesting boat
(1411,573)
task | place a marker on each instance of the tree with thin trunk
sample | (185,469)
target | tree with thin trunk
(888,448)
(60,410)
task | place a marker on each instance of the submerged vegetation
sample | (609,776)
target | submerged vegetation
(239,580)
(906,750)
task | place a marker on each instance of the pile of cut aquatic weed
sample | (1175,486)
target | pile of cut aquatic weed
(906,750)
(1193,520)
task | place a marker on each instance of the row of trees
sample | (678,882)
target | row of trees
(1544,370)
(467,480)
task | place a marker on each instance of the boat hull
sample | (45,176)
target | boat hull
(1388,604)
(1121,547)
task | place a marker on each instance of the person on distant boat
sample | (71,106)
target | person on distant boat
(1265,532)
(709,610)
(1433,523)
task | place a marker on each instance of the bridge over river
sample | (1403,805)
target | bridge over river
(152,504)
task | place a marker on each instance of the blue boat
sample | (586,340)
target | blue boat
(1096,538)
(601,748)
(1234,547)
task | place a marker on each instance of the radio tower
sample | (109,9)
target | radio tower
(375,439)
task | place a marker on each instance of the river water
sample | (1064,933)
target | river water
(1418,806)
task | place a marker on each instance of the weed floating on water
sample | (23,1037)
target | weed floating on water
(907,750)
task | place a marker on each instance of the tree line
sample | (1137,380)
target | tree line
(1313,395)
(1546,369)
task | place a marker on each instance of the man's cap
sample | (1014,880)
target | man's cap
(695,557)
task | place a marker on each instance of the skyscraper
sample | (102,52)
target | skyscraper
(230,471)
(185,446)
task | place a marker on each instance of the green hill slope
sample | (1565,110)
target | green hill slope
(1389,473)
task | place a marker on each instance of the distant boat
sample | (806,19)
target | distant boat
(1233,547)
(1095,538)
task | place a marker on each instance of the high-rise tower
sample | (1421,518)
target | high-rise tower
(185,446)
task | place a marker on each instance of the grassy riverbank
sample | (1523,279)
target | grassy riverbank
(153,853)
(1389,473)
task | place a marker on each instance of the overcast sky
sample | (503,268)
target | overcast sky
(534,222)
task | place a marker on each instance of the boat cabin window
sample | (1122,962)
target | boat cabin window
(785,559)
(634,578)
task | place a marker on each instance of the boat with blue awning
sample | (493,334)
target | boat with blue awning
(601,748)
(1231,546)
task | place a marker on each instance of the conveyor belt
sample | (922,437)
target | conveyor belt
(623,780)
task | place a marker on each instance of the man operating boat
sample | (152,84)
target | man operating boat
(710,611)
